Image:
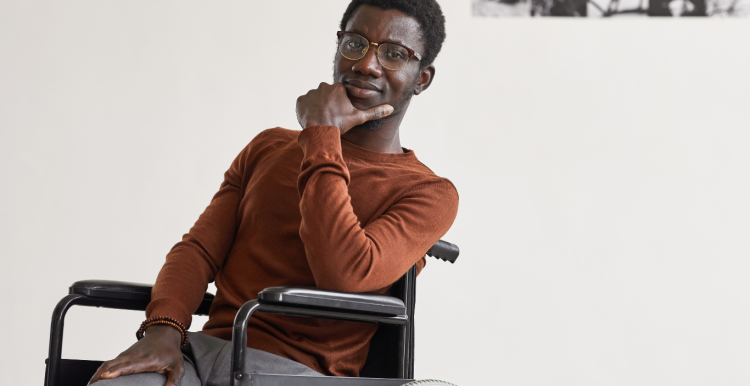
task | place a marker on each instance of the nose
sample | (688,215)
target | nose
(369,64)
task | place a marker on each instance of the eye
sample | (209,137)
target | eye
(395,54)
(355,45)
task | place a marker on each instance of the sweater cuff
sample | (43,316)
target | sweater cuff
(167,307)
(320,139)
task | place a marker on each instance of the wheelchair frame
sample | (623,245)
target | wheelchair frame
(368,308)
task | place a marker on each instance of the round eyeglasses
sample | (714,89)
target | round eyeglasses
(391,56)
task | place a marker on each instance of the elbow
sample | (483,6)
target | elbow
(341,284)
(352,281)
(356,273)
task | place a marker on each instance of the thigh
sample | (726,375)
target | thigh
(152,379)
(212,358)
(257,362)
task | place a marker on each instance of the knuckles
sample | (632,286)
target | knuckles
(135,361)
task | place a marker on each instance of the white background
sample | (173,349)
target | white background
(603,169)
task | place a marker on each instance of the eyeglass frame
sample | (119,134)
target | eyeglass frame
(408,50)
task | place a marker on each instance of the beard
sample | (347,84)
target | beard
(373,125)
(398,107)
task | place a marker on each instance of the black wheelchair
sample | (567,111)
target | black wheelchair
(390,360)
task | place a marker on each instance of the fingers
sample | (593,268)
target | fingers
(126,368)
(112,369)
(98,374)
(158,352)
(175,374)
(106,370)
(126,363)
(377,112)
(330,105)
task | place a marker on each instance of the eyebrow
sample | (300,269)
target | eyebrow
(358,32)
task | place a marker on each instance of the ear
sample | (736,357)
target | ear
(426,75)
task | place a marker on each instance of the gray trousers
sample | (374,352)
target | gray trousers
(207,361)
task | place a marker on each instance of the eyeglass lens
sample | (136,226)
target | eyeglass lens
(391,56)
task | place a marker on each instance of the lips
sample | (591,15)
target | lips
(362,84)
(361,89)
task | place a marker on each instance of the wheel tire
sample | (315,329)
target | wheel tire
(428,382)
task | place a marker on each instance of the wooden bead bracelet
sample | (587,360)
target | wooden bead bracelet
(166,320)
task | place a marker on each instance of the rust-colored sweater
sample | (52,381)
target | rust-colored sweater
(306,208)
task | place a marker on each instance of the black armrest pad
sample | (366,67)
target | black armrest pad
(318,298)
(123,290)
(109,289)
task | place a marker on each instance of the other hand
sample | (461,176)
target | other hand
(330,106)
(158,352)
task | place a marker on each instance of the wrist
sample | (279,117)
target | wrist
(167,322)
(164,332)
(316,124)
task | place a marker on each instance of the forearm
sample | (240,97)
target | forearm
(194,262)
(180,286)
(343,253)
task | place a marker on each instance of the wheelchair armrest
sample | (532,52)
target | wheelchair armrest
(445,251)
(313,302)
(122,290)
(308,297)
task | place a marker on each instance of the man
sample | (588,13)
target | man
(339,205)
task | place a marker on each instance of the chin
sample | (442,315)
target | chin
(361,105)
(366,105)
(370,125)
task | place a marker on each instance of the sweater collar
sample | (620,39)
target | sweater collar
(353,150)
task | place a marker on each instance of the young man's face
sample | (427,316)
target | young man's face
(368,84)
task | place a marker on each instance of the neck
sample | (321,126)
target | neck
(383,140)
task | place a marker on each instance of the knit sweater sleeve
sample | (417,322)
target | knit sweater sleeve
(342,254)
(194,262)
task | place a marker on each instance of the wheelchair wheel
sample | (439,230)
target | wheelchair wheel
(428,382)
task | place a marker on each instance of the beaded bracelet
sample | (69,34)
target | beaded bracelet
(167,320)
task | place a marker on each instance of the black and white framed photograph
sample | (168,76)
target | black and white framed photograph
(611,8)
(700,8)
(502,8)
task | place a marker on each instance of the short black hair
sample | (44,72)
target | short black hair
(426,12)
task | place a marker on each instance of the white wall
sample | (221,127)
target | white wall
(602,166)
